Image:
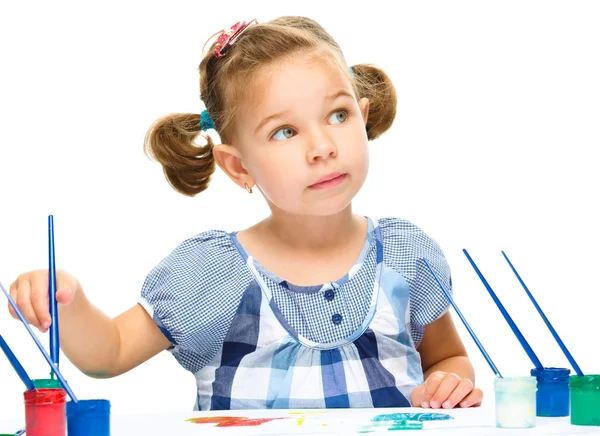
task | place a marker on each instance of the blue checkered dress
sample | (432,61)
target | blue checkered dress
(253,340)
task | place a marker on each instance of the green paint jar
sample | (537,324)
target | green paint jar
(46,383)
(585,399)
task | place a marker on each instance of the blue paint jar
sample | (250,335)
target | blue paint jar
(552,391)
(88,418)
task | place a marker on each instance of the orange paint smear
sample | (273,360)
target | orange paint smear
(231,421)
(247,422)
(210,420)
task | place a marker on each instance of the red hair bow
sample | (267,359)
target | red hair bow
(228,37)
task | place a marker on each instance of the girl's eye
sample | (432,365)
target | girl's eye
(338,117)
(283,134)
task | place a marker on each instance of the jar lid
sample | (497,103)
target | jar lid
(549,375)
(591,381)
(88,408)
(44,396)
(515,384)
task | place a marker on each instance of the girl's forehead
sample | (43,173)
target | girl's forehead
(292,80)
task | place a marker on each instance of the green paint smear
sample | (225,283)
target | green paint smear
(391,425)
(402,421)
(412,417)
(406,425)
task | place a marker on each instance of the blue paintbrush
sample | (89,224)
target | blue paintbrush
(54,338)
(534,359)
(53,367)
(471,332)
(561,344)
(16,364)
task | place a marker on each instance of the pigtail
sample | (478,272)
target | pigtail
(374,84)
(187,166)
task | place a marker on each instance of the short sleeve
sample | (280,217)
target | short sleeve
(192,296)
(407,246)
(429,301)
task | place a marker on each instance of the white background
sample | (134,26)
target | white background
(493,149)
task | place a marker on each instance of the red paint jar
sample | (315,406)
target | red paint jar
(45,413)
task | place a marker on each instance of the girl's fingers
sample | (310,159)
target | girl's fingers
(431,386)
(30,293)
(473,399)
(39,300)
(13,295)
(464,388)
(416,396)
(446,387)
(24,302)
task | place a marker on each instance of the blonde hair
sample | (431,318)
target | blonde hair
(171,139)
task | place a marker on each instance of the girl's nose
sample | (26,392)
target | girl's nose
(320,147)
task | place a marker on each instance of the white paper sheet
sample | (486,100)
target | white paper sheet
(476,421)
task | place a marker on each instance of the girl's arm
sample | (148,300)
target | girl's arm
(447,370)
(102,347)
(96,344)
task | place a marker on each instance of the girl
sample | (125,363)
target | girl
(312,307)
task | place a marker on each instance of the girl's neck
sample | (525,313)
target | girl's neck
(314,233)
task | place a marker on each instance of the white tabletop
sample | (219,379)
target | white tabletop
(476,421)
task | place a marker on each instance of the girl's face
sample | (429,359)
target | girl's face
(303,137)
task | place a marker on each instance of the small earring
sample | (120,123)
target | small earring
(248,188)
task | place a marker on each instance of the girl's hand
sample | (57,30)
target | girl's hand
(30,293)
(446,390)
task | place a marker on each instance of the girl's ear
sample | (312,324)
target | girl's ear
(363,104)
(229,160)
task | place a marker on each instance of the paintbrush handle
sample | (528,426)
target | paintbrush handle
(462,318)
(53,367)
(534,359)
(16,364)
(561,344)
(54,336)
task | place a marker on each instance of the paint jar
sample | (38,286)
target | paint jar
(88,418)
(46,383)
(45,412)
(552,391)
(585,399)
(515,402)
